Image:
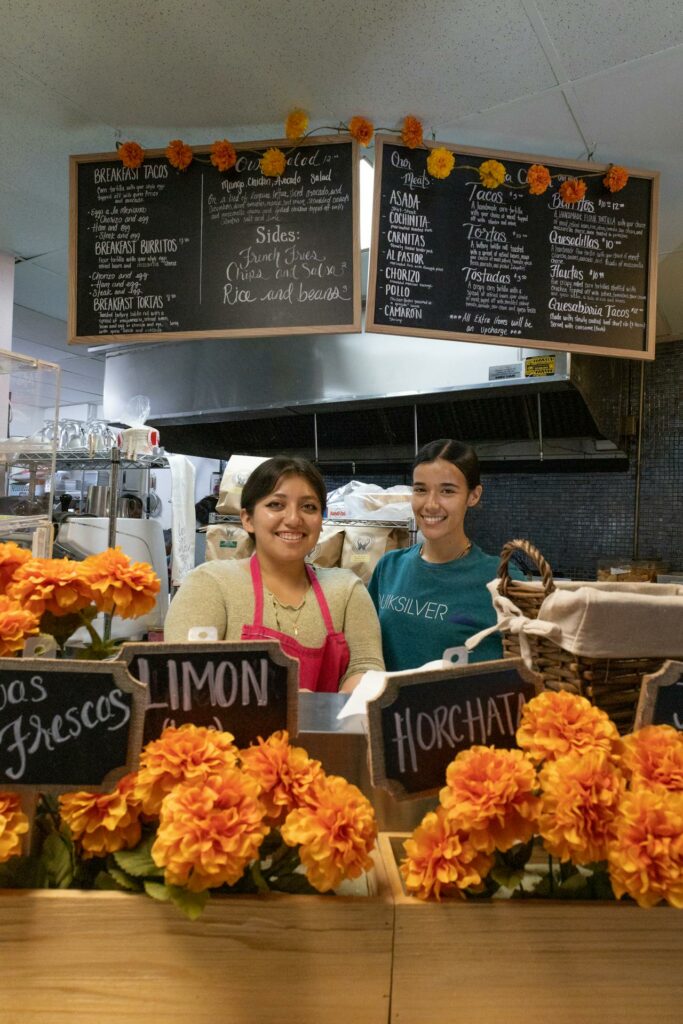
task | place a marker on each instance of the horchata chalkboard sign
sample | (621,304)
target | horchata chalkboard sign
(157,254)
(249,689)
(423,719)
(661,697)
(453,259)
(67,724)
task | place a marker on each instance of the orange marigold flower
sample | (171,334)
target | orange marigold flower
(179,154)
(491,173)
(188,754)
(296,124)
(646,856)
(335,832)
(129,588)
(440,859)
(361,130)
(653,756)
(104,822)
(490,794)
(16,623)
(556,723)
(55,585)
(223,155)
(11,557)
(131,154)
(411,132)
(209,831)
(616,178)
(273,162)
(440,162)
(580,799)
(284,773)
(538,179)
(13,825)
(572,190)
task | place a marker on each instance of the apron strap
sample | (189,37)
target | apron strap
(322,602)
(257,584)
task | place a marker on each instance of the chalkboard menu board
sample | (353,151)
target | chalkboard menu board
(157,254)
(453,259)
(67,724)
(661,697)
(421,721)
(249,689)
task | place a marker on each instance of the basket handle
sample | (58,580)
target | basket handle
(531,552)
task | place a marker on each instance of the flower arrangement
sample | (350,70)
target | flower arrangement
(606,810)
(57,596)
(199,816)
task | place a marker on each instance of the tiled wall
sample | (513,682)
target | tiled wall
(577,519)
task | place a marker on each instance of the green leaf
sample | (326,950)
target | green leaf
(518,856)
(122,879)
(138,862)
(104,880)
(575,887)
(23,873)
(506,876)
(191,904)
(157,890)
(57,856)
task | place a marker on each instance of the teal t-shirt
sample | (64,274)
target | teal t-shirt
(426,610)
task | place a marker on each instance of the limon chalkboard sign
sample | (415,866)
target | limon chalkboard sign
(422,719)
(67,725)
(249,689)
(661,697)
(454,259)
(157,254)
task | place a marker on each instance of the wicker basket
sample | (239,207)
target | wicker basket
(613,684)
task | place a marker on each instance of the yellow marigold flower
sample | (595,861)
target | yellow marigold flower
(11,557)
(209,831)
(273,162)
(361,130)
(411,132)
(131,154)
(491,173)
(440,859)
(103,822)
(646,856)
(223,155)
(16,623)
(538,179)
(557,723)
(13,825)
(335,832)
(653,756)
(616,178)
(572,190)
(284,773)
(296,124)
(490,795)
(440,162)
(580,799)
(179,154)
(55,585)
(129,588)
(188,754)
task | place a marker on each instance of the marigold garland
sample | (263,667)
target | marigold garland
(653,756)
(361,130)
(16,624)
(441,860)
(646,855)
(412,132)
(131,154)
(11,557)
(55,585)
(104,822)
(187,754)
(285,774)
(557,723)
(13,825)
(572,190)
(179,155)
(538,179)
(273,162)
(616,178)
(128,588)
(440,162)
(296,124)
(491,173)
(223,155)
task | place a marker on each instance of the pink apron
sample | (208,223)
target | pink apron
(320,668)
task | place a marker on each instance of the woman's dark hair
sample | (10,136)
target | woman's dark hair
(463,456)
(263,479)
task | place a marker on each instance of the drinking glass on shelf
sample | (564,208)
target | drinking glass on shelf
(100,436)
(71,435)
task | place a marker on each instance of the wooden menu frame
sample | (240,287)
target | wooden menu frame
(670,674)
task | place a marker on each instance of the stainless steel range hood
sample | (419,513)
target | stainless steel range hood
(368,398)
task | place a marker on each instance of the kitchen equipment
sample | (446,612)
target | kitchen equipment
(97,502)
(131,506)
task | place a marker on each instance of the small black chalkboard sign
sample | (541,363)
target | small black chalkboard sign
(249,689)
(661,697)
(423,719)
(67,725)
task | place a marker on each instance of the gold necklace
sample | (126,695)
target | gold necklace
(295,619)
(465,551)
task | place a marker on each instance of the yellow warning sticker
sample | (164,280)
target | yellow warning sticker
(539,366)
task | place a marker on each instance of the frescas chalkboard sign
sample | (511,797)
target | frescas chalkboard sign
(67,724)
(661,697)
(423,719)
(157,254)
(249,689)
(453,259)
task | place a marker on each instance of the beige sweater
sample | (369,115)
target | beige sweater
(220,594)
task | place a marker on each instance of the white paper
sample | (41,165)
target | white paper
(372,684)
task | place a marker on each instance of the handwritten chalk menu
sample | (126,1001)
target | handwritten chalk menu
(249,689)
(453,259)
(423,719)
(661,697)
(157,253)
(68,724)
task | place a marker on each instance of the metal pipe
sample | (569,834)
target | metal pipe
(540,427)
(639,450)
(113,509)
